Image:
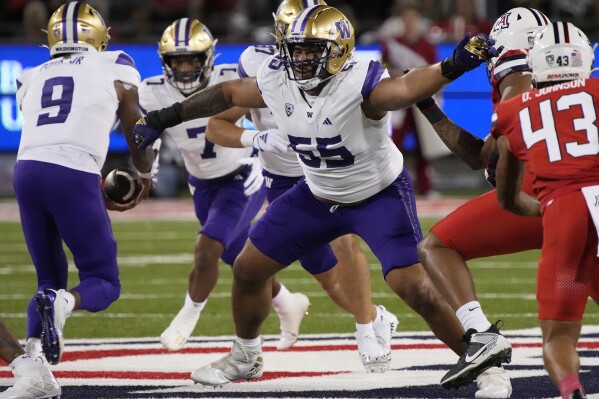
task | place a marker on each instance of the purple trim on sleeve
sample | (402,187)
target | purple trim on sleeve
(19,84)
(125,59)
(373,77)
(242,73)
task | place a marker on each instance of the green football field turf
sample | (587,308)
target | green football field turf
(155,258)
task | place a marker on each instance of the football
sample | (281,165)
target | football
(122,185)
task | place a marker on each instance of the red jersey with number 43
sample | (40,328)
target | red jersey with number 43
(554,130)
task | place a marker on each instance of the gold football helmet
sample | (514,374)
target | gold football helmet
(287,12)
(187,38)
(76,27)
(316,45)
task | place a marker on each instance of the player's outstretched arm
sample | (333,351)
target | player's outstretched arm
(404,91)
(205,103)
(223,131)
(462,143)
(128,113)
(509,179)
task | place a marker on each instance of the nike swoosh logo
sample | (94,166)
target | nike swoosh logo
(476,307)
(469,359)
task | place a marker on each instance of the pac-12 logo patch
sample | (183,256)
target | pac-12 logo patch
(288,109)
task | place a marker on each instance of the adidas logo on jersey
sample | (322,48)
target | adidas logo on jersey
(327,121)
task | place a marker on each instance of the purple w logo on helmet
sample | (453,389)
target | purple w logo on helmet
(343,28)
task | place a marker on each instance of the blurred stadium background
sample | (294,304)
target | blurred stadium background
(136,26)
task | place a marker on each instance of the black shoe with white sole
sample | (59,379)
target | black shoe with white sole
(485,350)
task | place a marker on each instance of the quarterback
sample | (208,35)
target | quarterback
(69,106)
(333,111)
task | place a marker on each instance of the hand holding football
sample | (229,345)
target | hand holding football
(122,185)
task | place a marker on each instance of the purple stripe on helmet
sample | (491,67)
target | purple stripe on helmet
(125,59)
(373,77)
(177,32)
(64,23)
(75,17)
(307,17)
(187,30)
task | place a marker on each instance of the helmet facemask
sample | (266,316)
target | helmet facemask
(306,62)
(191,80)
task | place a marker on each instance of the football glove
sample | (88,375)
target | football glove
(468,54)
(254,181)
(144,134)
(270,140)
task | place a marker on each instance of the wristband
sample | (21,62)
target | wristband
(247,137)
(450,69)
(430,110)
(166,117)
(147,175)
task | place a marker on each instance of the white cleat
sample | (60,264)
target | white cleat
(291,316)
(242,363)
(178,332)
(33,348)
(54,310)
(493,383)
(385,326)
(33,380)
(374,357)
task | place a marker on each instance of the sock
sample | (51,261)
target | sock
(252,342)
(281,298)
(191,305)
(568,385)
(70,302)
(471,316)
(363,330)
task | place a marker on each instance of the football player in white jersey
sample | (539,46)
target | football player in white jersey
(226,185)
(69,106)
(282,170)
(333,110)
(32,379)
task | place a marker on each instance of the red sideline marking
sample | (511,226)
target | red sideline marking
(99,354)
(151,375)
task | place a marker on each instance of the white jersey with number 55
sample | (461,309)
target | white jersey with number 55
(346,157)
(69,107)
(203,159)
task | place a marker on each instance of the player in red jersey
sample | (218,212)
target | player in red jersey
(480,228)
(553,131)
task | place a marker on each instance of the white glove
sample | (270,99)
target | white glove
(254,181)
(270,140)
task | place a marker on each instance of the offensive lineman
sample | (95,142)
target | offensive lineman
(348,284)
(333,111)
(226,185)
(69,106)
